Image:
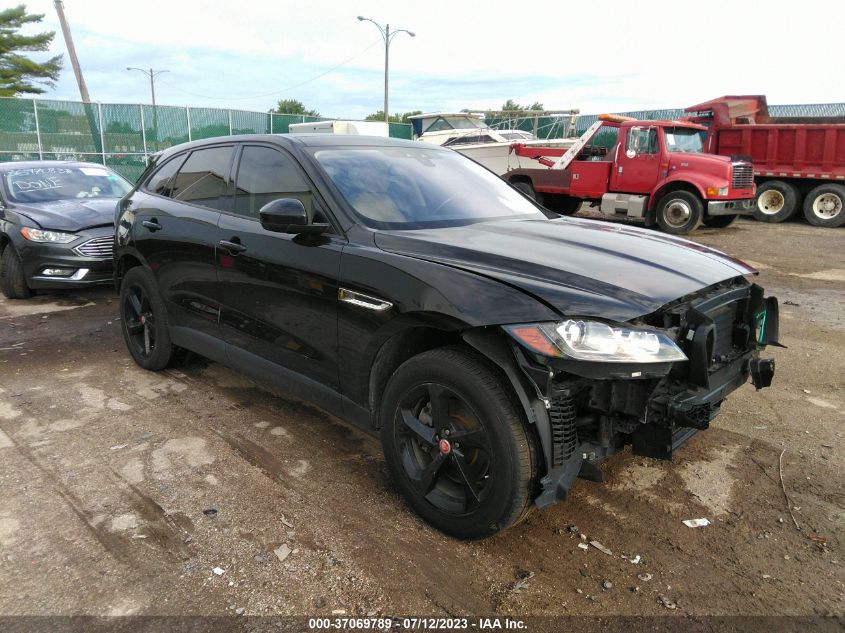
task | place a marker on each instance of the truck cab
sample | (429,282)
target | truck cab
(657,170)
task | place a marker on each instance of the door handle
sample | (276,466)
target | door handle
(233,247)
(152,225)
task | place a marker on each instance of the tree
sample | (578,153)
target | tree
(393,118)
(19,74)
(510,104)
(292,106)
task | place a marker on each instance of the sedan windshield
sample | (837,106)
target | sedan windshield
(48,184)
(408,188)
(684,139)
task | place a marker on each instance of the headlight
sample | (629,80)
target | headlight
(56,237)
(595,341)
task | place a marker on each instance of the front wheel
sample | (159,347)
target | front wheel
(679,212)
(12,277)
(456,445)
(825,206)
(719,221)
(144,320)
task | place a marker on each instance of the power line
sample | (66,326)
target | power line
(275,92)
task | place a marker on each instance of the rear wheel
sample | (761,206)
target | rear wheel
(144,320)
(719,221)
(825,206)
(679,212)
(456,445)
(12,278)
(777,201)
(525,187)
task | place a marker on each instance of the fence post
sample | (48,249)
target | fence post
(188,119)
(143,131)
(230,122)
(271,122)
(102,134)
(37,129)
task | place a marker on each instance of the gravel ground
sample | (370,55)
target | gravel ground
(178,493)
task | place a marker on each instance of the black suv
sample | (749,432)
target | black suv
(501,351)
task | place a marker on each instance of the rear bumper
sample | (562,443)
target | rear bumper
(730,207)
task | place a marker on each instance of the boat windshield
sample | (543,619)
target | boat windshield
(684,139)
(454,123)
(412,188)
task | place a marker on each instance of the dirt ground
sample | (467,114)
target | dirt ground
(122,490)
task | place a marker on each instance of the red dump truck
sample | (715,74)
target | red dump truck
(657,171)
(799,162)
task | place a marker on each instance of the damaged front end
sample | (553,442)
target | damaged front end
(671,371)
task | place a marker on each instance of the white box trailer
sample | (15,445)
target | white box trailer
(368,128)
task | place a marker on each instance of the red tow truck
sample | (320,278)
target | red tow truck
(798,161)
(657,171)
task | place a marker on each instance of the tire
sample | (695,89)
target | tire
(776,201)
(143,320)
(525,187)
(12,278)
(475,490)
(563,204)
(825,206)
(679,212)
(719,221)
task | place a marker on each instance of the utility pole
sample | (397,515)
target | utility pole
(71,51)
(387,36)
(152,75)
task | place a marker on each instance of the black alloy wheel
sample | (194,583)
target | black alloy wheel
(456,443)
(444,448)
(144,320)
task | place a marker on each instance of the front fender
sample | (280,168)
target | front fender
(689,180)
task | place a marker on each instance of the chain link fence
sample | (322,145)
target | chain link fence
(122,136)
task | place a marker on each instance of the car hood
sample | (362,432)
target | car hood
(70,215)
(578,267)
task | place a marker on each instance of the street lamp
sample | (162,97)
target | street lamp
(387,35)
(152,75)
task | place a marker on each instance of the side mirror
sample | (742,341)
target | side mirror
(288,215)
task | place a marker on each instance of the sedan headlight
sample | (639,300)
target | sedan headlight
(55,237)
(596,341)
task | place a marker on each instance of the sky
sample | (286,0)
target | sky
(593,55)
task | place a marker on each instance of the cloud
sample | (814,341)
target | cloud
(597,56)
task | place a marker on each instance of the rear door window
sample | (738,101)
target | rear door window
(160,182)
(204,178)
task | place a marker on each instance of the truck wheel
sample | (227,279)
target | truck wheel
(719,221)
(825,206)
(456,444)
(12,278)
(776,201)
(525,187)
(563,204)
(679,212)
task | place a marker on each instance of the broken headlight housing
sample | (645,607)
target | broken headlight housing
(585,340)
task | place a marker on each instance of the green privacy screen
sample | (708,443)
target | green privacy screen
(122,136)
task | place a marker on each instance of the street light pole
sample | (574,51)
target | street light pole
(387,36)
(152,75)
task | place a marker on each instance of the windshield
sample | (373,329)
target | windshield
(517,136)
(684,139)
(408,188)
(48,184)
